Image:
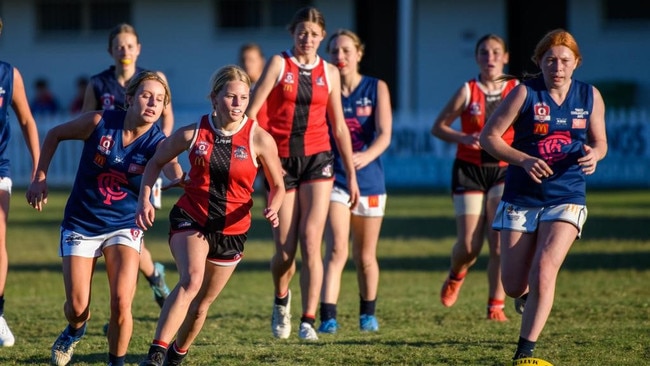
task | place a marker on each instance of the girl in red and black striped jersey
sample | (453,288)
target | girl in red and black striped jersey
(210,220)
(477,177)
(301,90)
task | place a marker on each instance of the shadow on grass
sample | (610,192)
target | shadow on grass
(575,262)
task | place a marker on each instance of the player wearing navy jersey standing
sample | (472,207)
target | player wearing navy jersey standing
(477,177)
(300,89)
(559,126)
(210,221)
(99,217)
(12,93)
(107,91)
(368,114)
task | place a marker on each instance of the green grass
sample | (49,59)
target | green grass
(601,314)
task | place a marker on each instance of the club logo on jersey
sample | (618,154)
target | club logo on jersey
(551,147)
(289,78)
(540,128)
(106,142)
(356,133)
(319,81)
(99,160)
(139,159)
(474,109)
(201,148)
(108,101)
(579,123)
(2,96)
(240,153)
(542,112)
(110,186)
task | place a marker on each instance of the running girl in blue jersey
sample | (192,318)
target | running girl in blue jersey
(99,216)
(559,125)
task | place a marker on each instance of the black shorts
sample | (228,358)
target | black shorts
(305,169)
(468,177)
(224,248)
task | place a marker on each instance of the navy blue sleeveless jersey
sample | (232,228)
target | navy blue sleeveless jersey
(110,94)
(359,109)
(6,95)
(105,192)
(557,134)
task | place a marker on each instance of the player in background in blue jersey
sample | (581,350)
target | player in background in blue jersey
(12,93)
(106,91)
(560,136)
(99,217)
(368,114)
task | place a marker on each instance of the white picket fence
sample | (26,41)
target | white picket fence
(414,159)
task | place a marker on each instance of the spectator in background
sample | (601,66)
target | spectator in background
(44,101)
(252,60)
(78,101)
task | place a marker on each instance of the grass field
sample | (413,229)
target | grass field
(601,314)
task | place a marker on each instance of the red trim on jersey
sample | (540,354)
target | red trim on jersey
(473,119)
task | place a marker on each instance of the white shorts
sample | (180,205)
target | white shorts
(369,206)
(5,184)
(526,219)
(76,244)
(474,203)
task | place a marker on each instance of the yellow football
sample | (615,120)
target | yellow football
(530,361)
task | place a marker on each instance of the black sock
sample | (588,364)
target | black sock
(115,361)
(308,319)
(154,279)
(327,311)
(367,307)
(2,305)
(525,348)
(282,301)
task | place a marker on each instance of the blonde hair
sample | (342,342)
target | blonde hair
(226,74)
(348,33)
(143,76)
(557,37)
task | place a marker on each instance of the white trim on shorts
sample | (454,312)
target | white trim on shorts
(369,206)
(76,244)
(5,184)
(527,219)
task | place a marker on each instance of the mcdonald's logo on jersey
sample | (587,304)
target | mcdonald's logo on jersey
(540,128)
(99,160)
(199,161)
(287,88)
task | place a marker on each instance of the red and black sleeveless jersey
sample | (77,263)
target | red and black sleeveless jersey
(222,172)
(479,106)
(297,107)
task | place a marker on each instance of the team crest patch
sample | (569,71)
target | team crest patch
(241,153)
(542,112)
(106,142)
